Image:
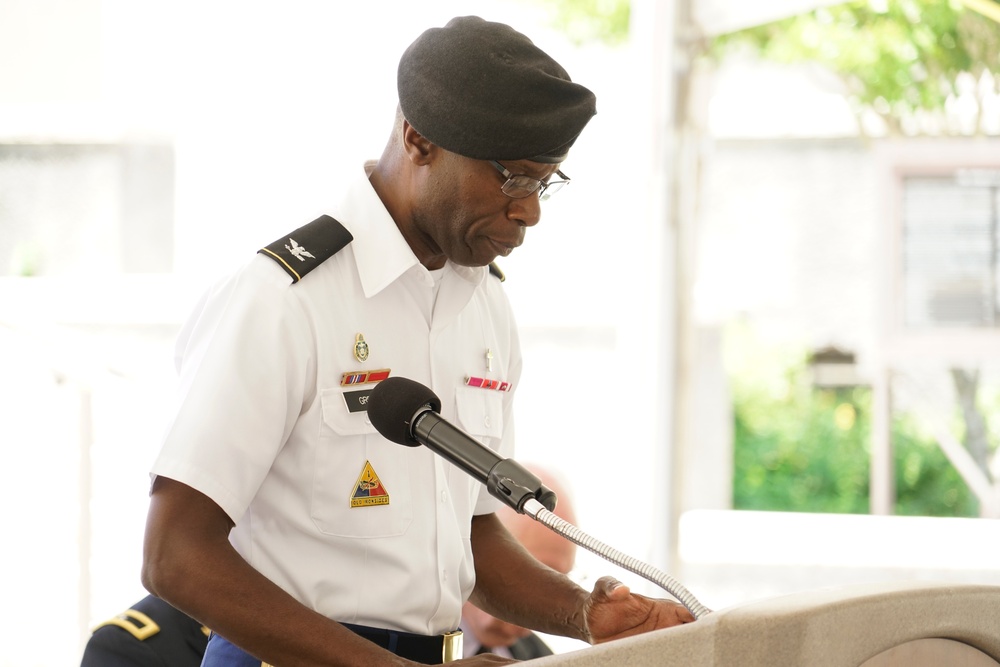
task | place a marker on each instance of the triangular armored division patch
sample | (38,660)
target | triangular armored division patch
(307,247)
(368,490)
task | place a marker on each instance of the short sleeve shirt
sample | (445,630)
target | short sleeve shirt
(352,525)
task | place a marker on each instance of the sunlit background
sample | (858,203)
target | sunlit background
(760,322)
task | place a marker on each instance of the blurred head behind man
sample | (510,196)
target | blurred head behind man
(540,541)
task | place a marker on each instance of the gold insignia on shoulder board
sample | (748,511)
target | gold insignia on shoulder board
(360,348)
(135,622)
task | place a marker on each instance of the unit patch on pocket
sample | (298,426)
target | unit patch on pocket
(368,490)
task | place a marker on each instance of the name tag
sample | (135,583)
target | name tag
(357,401)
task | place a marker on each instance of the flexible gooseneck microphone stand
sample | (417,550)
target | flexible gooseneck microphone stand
(537,511)
(408,413)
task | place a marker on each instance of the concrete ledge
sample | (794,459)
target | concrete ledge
(830,628)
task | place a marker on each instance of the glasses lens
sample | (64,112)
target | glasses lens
(551,188)
(519,187)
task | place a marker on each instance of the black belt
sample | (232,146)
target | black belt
(419,648)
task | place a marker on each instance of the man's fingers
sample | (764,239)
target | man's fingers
(610,589)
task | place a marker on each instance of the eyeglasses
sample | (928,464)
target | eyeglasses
(520,186)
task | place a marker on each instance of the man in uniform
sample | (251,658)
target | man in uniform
(151,633)
(278,516)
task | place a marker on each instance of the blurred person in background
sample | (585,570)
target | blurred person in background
(485,633)
(150,633)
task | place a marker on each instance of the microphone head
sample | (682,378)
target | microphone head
(392,405)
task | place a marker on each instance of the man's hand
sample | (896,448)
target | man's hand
(613,611)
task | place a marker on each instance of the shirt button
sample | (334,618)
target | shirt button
(444,496)
(486,422)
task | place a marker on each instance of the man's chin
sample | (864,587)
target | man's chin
(474,263)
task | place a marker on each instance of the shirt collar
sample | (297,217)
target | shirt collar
(382,254)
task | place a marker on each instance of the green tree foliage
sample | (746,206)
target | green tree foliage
(803,449)
(805,452)
(926,482)
(896,57)
(587,21)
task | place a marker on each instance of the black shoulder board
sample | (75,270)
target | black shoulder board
(495,270)
(307,247)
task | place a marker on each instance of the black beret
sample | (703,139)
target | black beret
(485,91)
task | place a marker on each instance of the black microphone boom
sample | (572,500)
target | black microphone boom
(406,412)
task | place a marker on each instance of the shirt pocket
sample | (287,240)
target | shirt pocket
(361,484)
(480,412)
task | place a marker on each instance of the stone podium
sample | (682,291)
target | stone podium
(915,624)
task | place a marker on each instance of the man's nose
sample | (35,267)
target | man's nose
(526,211)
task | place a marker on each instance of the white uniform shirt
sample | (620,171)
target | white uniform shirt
(263,428)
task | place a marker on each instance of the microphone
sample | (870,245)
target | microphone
(407,413)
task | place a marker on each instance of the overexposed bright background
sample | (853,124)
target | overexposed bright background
(267,107)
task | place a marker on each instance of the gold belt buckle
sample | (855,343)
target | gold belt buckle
(451,646)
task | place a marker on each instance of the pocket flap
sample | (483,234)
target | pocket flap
(339,418)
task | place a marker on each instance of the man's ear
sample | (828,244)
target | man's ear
(418,148)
